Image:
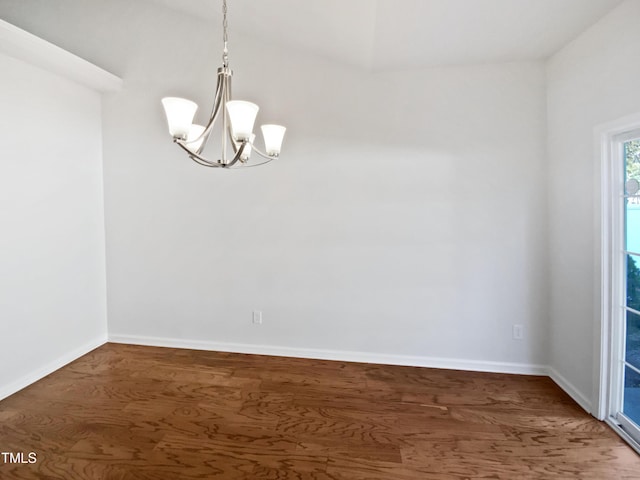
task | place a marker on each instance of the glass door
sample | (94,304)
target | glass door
(629,253)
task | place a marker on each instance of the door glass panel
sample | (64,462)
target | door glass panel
(631,212)
(632,194)
(632,160)
(631,406)
(632,216)
(633,282)
(632,355)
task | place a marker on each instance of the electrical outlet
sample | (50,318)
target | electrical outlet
(518,332)
(257,317)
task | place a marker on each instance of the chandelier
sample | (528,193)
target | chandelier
(237,118)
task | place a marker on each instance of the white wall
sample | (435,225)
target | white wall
(52,258)
(406,216)
(591,81)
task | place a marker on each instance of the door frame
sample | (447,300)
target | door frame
(608,218)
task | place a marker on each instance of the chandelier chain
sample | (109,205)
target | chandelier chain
(225,34)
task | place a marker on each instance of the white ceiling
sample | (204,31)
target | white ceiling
(387,34)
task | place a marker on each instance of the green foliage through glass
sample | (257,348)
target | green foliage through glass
(632,159)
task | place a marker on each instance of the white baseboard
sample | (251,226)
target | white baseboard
(337,355)
(580,398)
(34,376)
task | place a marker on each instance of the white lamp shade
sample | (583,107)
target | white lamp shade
(246,149)
(273,136)
(242,116)
(194,132)
(180,113)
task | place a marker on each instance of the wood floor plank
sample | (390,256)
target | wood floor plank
(267,451)
(126,412)
(371,451)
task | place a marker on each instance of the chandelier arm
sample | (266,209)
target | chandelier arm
(220,87)
(229,131)
(196,157)
(244,165)
(235,145)
(235,159)
(263,154)
(215,110)
(203,161)
(204,136)
(226,96)
(205,164)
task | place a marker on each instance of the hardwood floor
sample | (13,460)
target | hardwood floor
(142,413)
